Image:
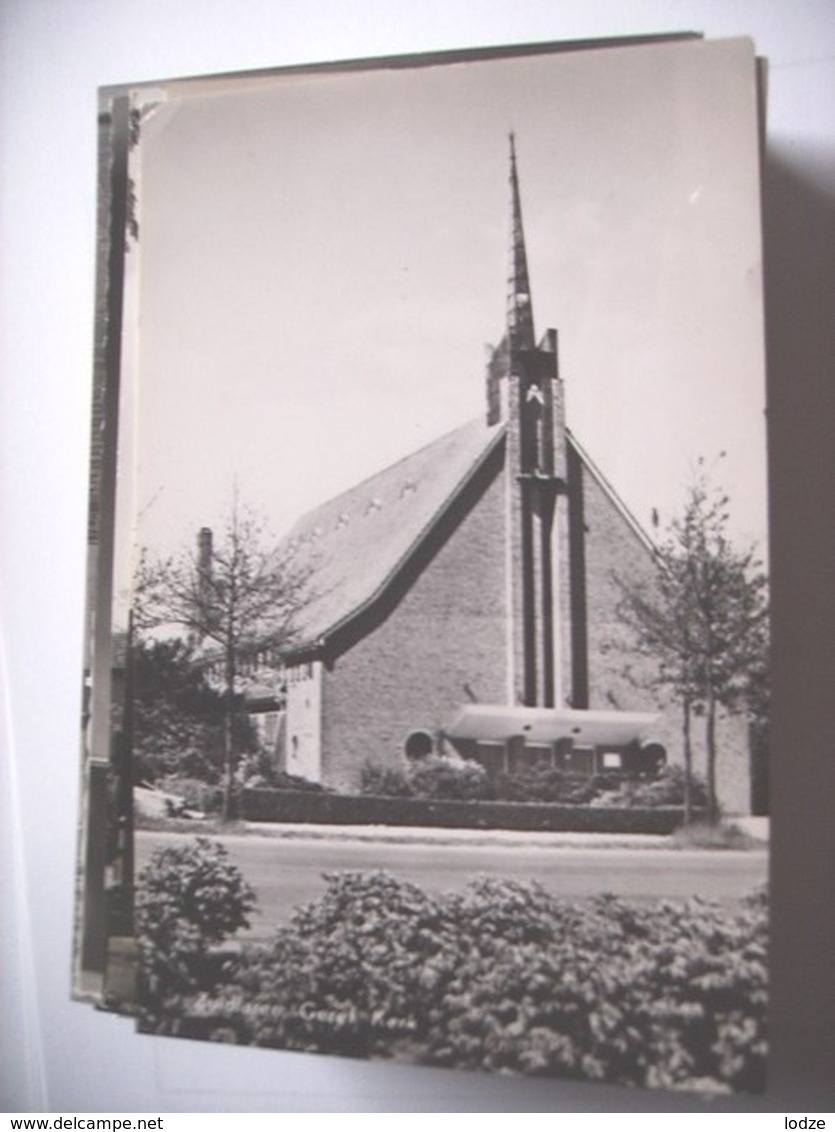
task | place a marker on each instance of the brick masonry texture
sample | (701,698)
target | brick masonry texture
(621,679)
(446,634)
(502,599)
(444,641)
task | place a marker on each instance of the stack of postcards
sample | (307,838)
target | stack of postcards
(427,622)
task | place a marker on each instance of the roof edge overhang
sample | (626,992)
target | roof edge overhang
(612,494)
(502,722)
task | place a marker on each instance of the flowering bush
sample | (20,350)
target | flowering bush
(541,783)
(455,779)
(667,789)
(665,996)
(436,776)
(384,781)
(346,976)
(189,898)
(505,977)
(500,976)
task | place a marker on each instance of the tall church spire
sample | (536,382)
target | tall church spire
(519,309)
(525,392)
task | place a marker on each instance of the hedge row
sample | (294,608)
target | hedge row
(449,779)
(350,809)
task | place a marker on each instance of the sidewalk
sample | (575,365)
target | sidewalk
(421,835)
(754,827)
(534,839)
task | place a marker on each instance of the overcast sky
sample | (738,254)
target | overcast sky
(323,258)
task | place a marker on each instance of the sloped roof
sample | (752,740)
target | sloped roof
(354,544)
(607,488)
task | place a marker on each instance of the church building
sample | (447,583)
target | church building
(466,599)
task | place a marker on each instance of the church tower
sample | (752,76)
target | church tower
(525,391)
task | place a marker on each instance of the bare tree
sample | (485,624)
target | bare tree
(236,596)
(704,620)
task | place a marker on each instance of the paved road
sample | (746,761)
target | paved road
(287,872)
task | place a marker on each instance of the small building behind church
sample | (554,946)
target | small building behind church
(466,600)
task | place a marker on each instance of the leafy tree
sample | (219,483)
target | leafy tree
(236,599)
(704,619)
(173,710)
(178,718)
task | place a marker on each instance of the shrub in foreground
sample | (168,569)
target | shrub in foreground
(189,898)
(505,977)
(501,976)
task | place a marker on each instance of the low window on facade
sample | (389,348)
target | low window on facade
(612,760)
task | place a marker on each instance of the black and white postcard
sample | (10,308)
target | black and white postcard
(427,703)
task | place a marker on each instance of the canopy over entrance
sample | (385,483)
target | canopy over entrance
(498,723)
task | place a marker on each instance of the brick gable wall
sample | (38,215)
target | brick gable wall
(441,637)
(445,633)
(619,678)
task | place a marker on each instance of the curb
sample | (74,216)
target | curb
(414,835)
